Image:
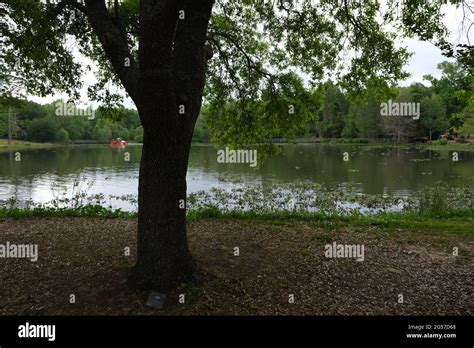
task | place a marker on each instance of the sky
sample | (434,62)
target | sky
(427,56)
(424,61)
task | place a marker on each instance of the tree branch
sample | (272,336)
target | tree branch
(190,53)
(55,11)
(250,63)
(114,42)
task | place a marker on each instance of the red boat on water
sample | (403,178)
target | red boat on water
(118,143)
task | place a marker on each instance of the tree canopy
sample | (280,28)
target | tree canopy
(261,51)
(252,59)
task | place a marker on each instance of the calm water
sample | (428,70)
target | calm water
(42,174)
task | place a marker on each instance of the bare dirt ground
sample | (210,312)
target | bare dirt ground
(85,257)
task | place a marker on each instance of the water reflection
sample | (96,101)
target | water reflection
(380,170)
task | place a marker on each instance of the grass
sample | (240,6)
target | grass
(24,145)
(452,220)
(435,145)
(89,211)
(449,147)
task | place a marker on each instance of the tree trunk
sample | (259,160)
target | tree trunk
(163,257)
(9,125)
(171,76)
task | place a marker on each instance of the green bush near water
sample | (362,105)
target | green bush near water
(440,142)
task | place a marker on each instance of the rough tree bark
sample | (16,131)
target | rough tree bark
(167,86)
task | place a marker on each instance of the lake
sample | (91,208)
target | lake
(42,175)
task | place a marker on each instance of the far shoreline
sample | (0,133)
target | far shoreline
(451,145)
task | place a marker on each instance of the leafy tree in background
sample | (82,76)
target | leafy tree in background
(42,129)
(432,115)
(350,127)
(139,134)
(467,114)
(466,92)
(452,76)
(368,119)
(62,136)
(446,87)
(467,129)
(163,51)
(418,91)
(78,127)
(201,133)
(284,112)
(31,110)
(132,120)
(102,133)
(400,127)
(332,114)
(13,123)
(3,124)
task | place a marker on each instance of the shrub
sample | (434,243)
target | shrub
(440,142)
(139,134)
(62,136)
(433,199)
(42,129)
(102,134)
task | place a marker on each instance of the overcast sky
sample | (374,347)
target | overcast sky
(423,62)
(427,56)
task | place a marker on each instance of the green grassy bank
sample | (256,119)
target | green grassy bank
(452,221)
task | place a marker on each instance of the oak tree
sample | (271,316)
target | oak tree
(252,58)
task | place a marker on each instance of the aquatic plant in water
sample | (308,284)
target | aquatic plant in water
(347,199)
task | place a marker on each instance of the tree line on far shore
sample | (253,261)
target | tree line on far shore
(446,106)
(446,111)
(41,123)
